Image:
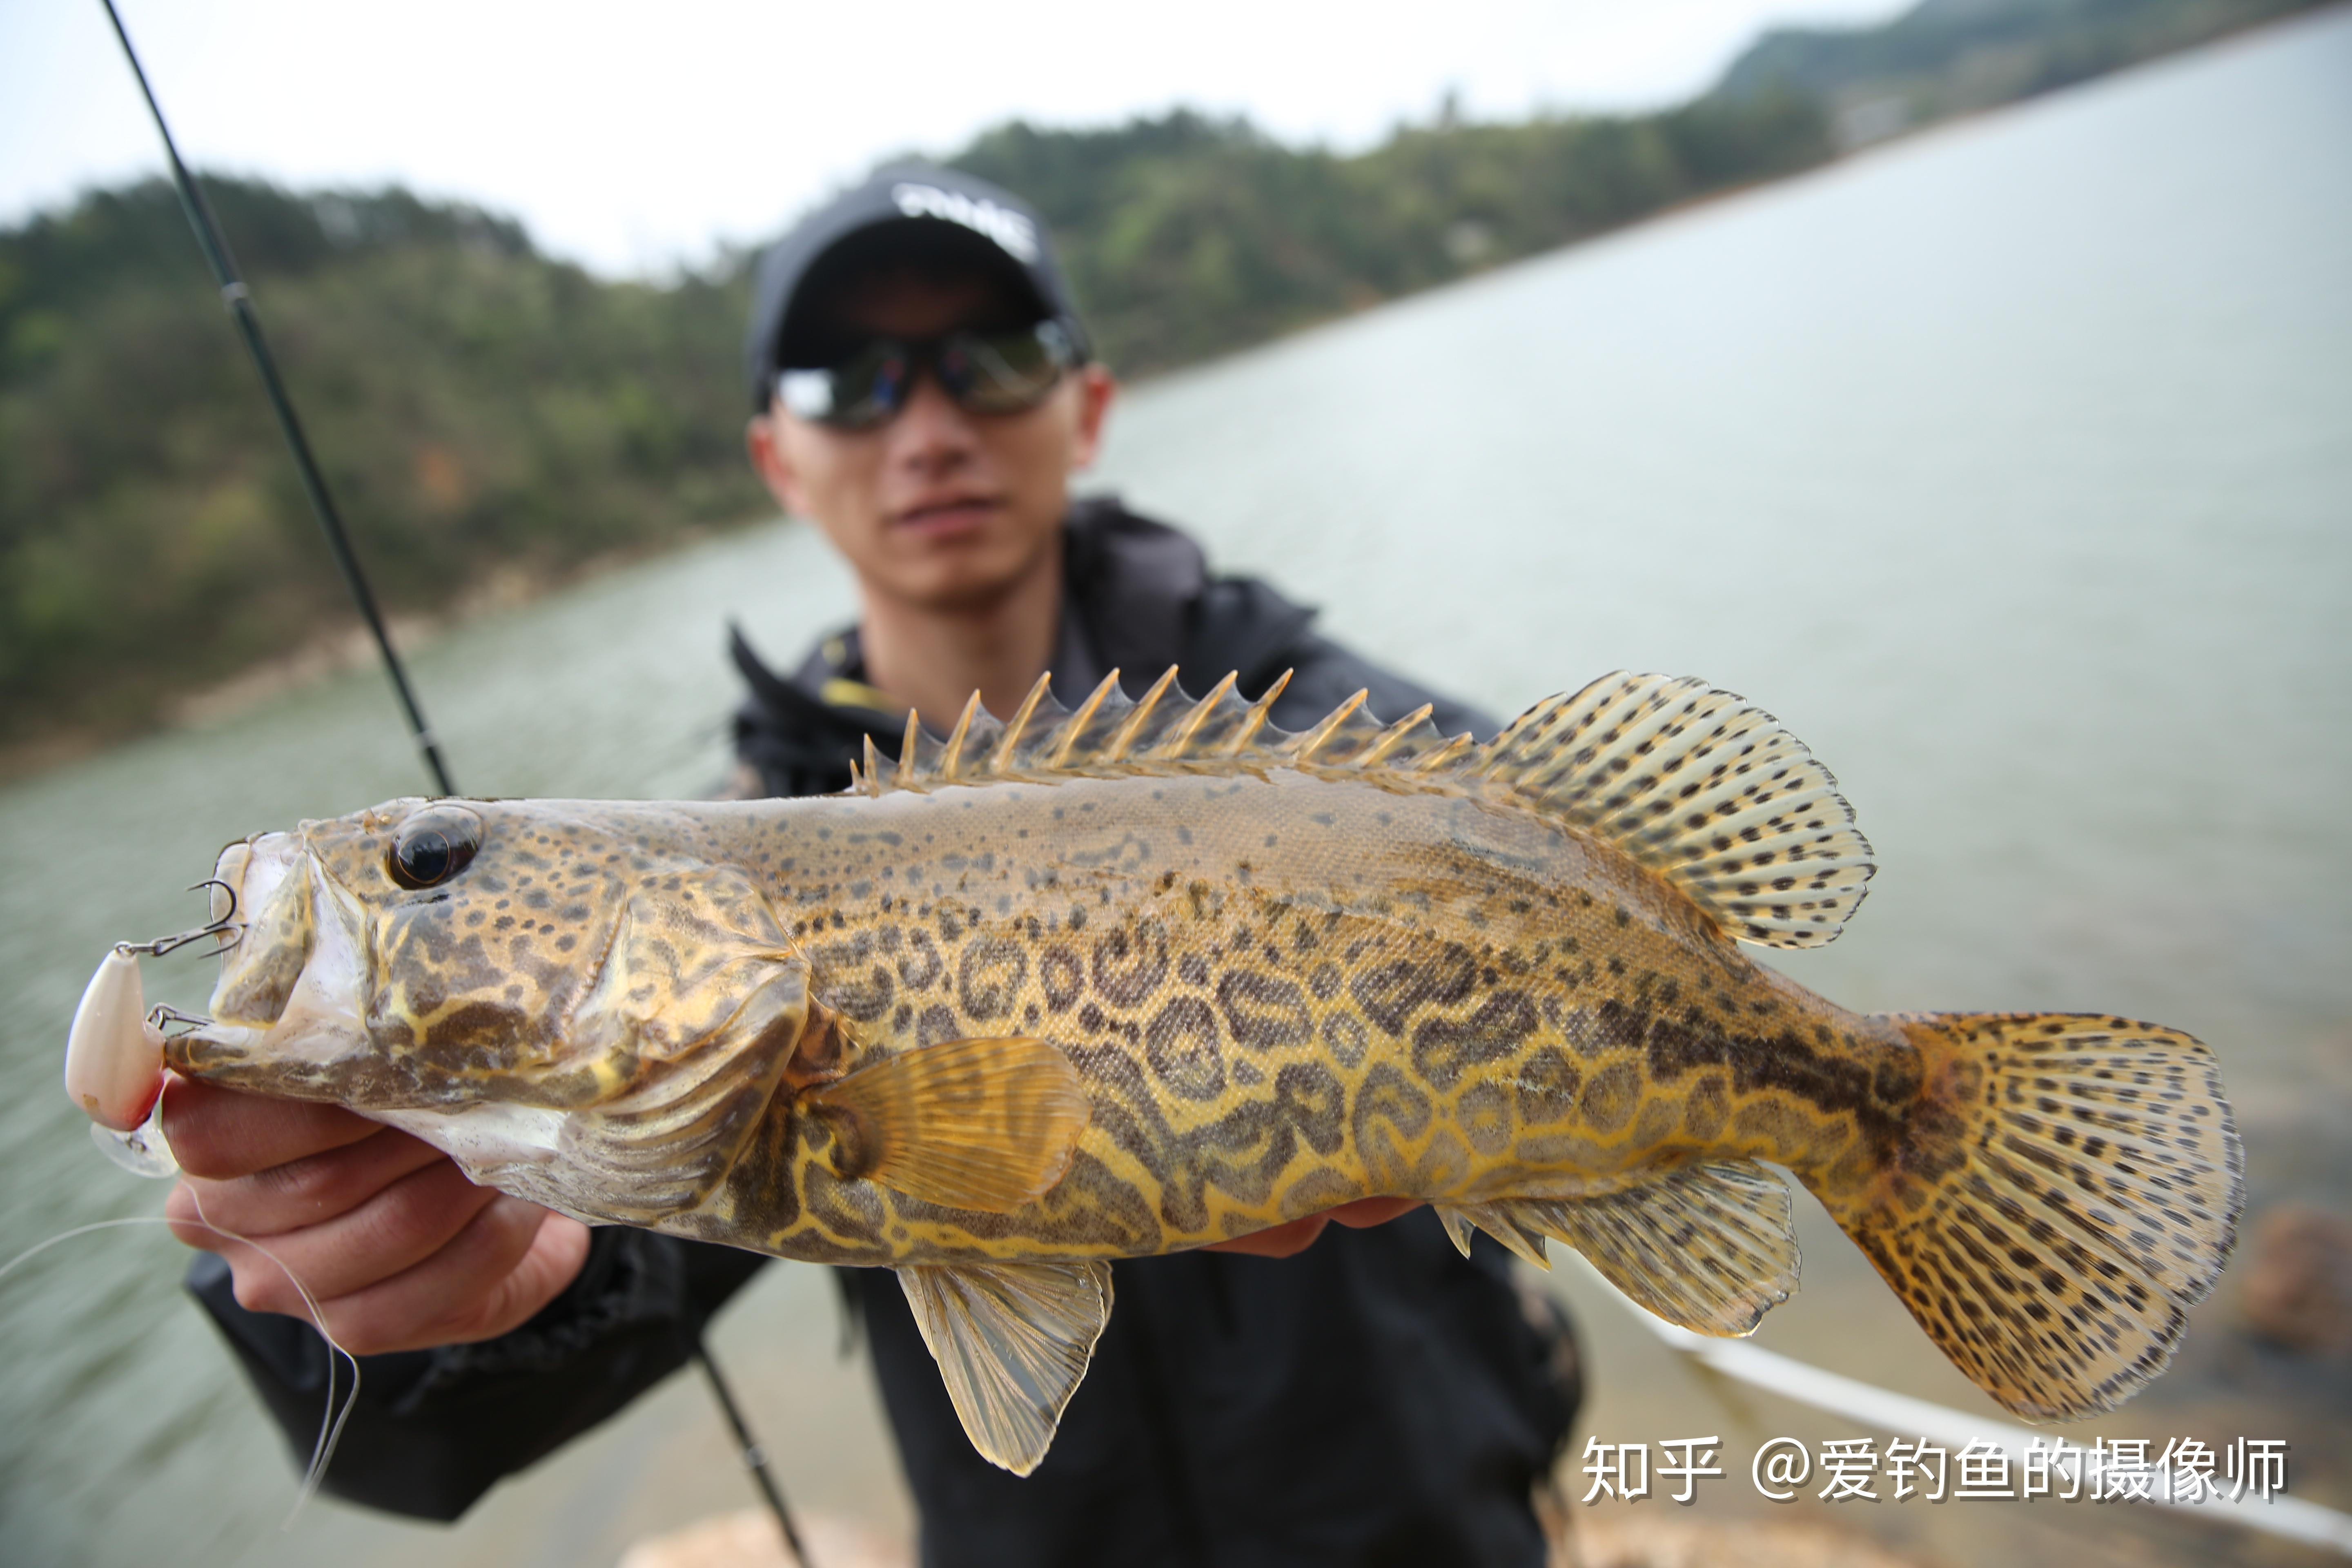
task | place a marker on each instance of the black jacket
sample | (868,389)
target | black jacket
(1377,1399)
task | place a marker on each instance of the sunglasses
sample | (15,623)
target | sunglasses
(1001,372)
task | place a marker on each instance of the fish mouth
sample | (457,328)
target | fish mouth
(289,1003)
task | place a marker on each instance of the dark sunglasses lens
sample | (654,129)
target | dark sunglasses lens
(859,392)
(1001,373)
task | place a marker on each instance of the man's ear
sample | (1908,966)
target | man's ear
(1095,390)
(763,438)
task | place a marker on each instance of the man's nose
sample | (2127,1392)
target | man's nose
(930,432)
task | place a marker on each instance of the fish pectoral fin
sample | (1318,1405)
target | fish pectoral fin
(1708,1246)
(984,1124)
(1012,1340)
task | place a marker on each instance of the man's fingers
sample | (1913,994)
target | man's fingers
(1280,1241)
(408,1222)
(221,1134)
(1365,1212)
(512,1259)
(315,1189)
(1298,1234)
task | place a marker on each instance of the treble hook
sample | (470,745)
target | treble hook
(164,945)
(162,1016)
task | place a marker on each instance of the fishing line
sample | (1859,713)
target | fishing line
(239,301)
(331,1420)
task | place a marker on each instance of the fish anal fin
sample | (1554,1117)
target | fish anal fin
(986,1124)
(1012,1340)
(1702,788)
(1708,1246)
(1508,1222)
(1459,1225)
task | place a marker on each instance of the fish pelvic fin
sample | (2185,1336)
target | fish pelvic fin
(2071,1187)
(982,1124)
(1012,1340)
(1696,784)
(1708,1246)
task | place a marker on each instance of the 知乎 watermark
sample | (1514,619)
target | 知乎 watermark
(1861,1470)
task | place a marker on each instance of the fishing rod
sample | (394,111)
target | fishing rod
(755,1458)
(239,301)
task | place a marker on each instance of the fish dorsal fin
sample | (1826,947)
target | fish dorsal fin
(1708,1246)
(1012,1340)
(1702,788)
(1162,731)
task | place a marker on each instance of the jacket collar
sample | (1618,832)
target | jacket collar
(1136,597)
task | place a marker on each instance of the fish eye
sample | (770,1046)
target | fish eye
(433,846)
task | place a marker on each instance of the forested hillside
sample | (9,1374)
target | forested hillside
(479,409)
(491,417)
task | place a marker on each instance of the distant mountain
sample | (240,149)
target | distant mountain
(1948,56)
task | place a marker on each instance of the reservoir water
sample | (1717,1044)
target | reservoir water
(2009,464)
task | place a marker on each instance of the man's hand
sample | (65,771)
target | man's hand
(401,1251)
(1284,1240)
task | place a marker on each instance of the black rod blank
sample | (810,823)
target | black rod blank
(755,1459)
(322,504)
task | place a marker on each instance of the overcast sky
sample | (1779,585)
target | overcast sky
(630,137)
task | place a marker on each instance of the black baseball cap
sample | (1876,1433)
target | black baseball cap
(906,210)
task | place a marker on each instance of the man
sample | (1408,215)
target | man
(922,392)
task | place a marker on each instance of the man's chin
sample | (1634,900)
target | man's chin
(961,572)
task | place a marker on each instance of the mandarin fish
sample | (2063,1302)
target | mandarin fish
(1151,974)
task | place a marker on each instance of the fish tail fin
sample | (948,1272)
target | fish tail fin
(2068,1188)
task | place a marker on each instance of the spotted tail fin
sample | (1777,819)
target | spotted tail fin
(2070,1190)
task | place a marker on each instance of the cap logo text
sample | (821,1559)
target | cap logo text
(1013,232)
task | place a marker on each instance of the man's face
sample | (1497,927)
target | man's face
(937,508)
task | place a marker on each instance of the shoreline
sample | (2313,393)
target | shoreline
(341,648)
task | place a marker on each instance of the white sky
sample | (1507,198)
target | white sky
(633,136)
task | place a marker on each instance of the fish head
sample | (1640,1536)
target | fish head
(439,954)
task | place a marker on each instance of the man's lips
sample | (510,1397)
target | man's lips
(947,515)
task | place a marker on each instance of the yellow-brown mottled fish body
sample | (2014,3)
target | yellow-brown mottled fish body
(1133,979)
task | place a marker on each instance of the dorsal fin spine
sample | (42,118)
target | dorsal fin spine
(1254,720)
(1443,756)
(910,751)
(951,760)
(1075,725)
(1303,748)
(1178,738)
(1392,737)
(1116,748)
(1000,756)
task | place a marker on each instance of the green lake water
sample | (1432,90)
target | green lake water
(2009,464)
